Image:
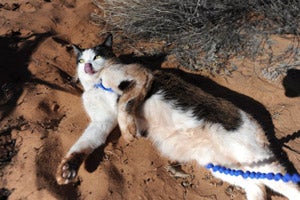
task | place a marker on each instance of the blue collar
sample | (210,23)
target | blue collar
(101,86)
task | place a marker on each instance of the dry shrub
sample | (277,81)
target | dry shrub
(202,34)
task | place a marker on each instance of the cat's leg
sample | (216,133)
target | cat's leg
(254,190)
(94,136)
(126,116)
(129,103)
(288,189)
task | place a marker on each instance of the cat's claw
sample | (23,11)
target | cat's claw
(66,174)
(68,168)
(129,133)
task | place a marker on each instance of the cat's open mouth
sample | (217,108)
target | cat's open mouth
(88,68)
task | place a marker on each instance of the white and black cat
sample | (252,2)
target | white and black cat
(100,105)
(184,122)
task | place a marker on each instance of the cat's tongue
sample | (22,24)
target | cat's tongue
(88,68)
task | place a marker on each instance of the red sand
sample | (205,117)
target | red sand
(53,116)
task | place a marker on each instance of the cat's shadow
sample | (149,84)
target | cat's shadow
(92,162)
(246,103)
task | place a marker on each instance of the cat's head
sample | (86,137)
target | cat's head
(90,61)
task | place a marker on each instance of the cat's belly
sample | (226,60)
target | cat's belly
(179,136)
(176,134)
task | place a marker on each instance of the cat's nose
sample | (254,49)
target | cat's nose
(88,68)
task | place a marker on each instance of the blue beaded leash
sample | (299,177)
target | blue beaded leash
(295,178)
(101,86)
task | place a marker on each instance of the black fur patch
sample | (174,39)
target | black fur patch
(188,97)
(104,51)
(125,85)
(129,106)
(144,133)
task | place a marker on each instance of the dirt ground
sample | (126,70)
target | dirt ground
(42,115)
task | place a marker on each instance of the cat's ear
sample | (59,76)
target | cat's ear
(108,41)
(76,49)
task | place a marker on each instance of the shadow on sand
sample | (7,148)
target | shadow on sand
(15,54)
(291,83)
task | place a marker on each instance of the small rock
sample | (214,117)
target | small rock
(27,8)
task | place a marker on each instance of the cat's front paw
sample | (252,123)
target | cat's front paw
(129,133)
(128,137)
(68,168)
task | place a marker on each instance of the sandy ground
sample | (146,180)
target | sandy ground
(42,115)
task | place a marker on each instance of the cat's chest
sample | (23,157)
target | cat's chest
(97,99)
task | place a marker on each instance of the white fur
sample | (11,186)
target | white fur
(88,80)
(180,136)
(99,104)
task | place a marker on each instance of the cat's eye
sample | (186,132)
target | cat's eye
(81,61)
(97,57)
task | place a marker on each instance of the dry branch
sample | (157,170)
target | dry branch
(203,34)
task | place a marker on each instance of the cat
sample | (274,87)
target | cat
(100,105)
(184,122)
